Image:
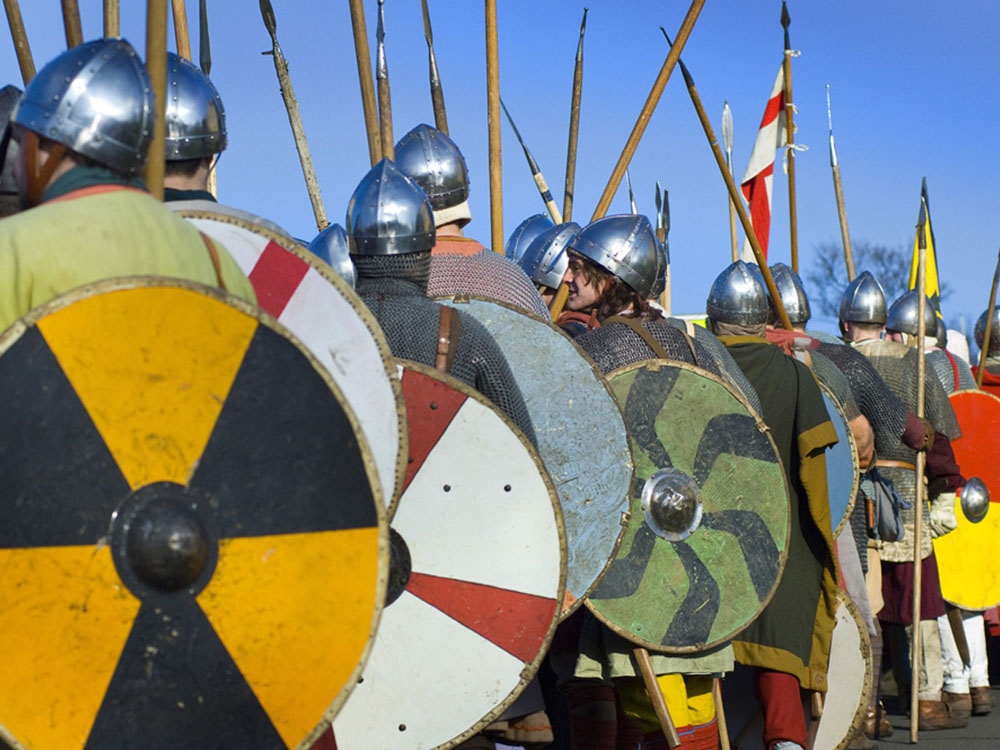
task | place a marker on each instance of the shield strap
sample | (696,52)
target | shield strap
(448,332)
(214,255)
(640,330)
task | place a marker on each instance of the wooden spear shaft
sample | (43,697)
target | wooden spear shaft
(838,190)
(647,109)
(574,125)
(382,83)
(988,327)
(656,696)
(112,23)
(493,122)
(720,714)
(365,78)
(71,21)
(727,137)
(20,38)
(790,131)
(156,64)
(181,34)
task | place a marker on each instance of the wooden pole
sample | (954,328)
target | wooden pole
(574,125)
(647,109)
(559,301)
(838,190)
(493,122)
(181,34)
(720,714)
(790,131)
(71,21)
(656,696)
(205,63)
(112,23)
(20,38)
(386,140)
(365,78)
(156,64)
(727,141)
(988,327)
(437,94)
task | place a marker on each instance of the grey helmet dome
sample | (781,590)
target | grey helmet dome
(524,234)
(738,296)
(331,246)
(863,301)
(792,293)
(97,100)
(545,260)
(625,246)
(195,118)
(436,163)
(980,331)
(903,315)
(389,214)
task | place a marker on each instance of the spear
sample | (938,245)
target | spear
(574,125)
(292,107)
(20,37)
(204,42)
(156,64)
(181,35)
(365,77)
(543,187)
(984,350)
(437,95)
(720,160)
(790,132)
(664,222)
(384,100)
(647,109)
(112,26)
(493,124)
(659,214)
(631,196)
(838,190)
(71,21)
(727,140)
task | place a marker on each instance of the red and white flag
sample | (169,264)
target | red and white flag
(757,180)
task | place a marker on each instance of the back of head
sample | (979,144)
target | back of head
(195,118)
(980,331)
(904,315)
(792,293)
(863,301)
(545,260)
(331,247)
(524,234)
(738,297)
(434,161)
(626,247)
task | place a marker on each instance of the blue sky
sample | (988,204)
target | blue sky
(913,87)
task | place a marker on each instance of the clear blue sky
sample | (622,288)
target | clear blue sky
(913,87)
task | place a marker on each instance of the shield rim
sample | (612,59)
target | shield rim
(866,653)
(352,299)
(529,671)
(855,457)
(459,299)
(12,335)
(657,364)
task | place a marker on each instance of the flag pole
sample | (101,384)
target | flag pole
(987,329)
(727,140)
(365,78)
(20,38)
(790,132)
(112,25)
(838,190)
(181,35)
(493,123)
(647,110)
(437,93)
(71,21)
(536,172)
(574,124)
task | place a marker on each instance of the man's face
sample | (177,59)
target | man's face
(583,295)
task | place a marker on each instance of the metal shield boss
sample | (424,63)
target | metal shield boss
(967,558)
(708,528)
(580,432)
(843,472)
(477,576)
(168,581)
(325,314)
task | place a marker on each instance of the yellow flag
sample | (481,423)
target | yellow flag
(931,283)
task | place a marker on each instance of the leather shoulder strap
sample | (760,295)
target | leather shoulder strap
(449,329)
(214,255)
(640,330)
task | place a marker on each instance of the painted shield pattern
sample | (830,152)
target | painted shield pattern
(477,576)
(168,581)
(842,467)
(708,529)
(967,557)
(580,432)
(308,298)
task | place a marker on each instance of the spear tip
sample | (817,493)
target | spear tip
(267,13)
(428,33)
(785,18)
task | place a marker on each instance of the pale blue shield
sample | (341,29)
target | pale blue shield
(842,471)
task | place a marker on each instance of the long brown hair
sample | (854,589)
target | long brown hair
(617,295)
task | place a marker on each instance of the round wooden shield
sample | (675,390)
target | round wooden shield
(843,470)
(308,298)
(845,703)
(194,553)
(708,530)
(580,433)
(967,557)
(478,572)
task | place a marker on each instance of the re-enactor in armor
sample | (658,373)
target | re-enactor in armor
(991,378)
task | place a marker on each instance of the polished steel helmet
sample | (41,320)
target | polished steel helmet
(903,316)
(975,499)
(941,333)
(8,146)
(434,161)
(980,331)
(545,261)
(195,118)
(330,246)
(661,269)
(389,214)
(793,294)
(525,234)
(863,300)
(623,245)
(738,296)
(97,100)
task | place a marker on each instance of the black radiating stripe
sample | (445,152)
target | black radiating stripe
(60,483)
(283,457)
(624,575)
(760,553)
(730,433)
(692,624)
(643,404)
(176,686)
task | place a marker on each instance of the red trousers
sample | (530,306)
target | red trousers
(781,704)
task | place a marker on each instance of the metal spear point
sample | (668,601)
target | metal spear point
(727,140)
(437,94)
(790,135)
(204,43)
(838,189)
(631,195)
(659,215)
(382,79)
(543,188)
(574,124)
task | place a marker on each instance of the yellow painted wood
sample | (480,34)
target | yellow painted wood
(155,402)
(295,613)
(966,559)
(64,618)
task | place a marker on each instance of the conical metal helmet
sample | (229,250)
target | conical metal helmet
(903,315)
(389,214)
(941,333)
(545,260)
(97,100)
(8,146)
(793,294)
(980,331)
(195,118)
(738,296)
(331,247)
(623,245)
(863,300)
(525,234)
(435,162)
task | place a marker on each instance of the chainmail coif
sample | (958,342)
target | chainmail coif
(394,288)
